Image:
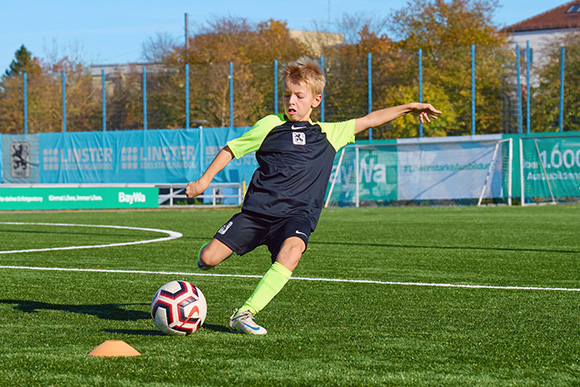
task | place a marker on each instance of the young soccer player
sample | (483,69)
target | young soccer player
(285,197)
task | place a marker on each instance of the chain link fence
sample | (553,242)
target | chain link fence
(480,90)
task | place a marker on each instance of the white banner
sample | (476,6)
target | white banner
(443,170)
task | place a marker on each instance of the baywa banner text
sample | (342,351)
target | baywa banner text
(61,198)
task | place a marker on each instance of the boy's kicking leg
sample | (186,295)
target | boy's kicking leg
(269,286)
(212,253)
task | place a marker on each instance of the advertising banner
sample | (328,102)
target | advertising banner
(421,169)
(377,174)
(161,156)
(131,156)
(551,166)
(20,159)
(62,198)
(450,170)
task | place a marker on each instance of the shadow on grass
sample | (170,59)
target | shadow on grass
(115,312)
(155,332)
(136,332)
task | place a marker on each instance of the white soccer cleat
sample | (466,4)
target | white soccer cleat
(243,322)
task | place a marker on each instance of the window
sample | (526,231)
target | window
(574,9)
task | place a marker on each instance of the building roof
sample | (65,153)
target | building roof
(566,16)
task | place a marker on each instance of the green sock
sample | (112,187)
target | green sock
(270,285)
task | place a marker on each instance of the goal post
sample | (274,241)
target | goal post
(468,170)
(550,169)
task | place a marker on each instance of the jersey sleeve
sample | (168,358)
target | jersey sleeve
(253,138)
(339,133)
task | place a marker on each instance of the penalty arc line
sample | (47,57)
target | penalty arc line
(373,282)
(171,235)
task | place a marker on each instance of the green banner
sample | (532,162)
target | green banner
(377,174)
(551,167)
(63,198)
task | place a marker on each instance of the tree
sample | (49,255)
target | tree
(351,25)
(44,95)
(23,62)
(445,30)
(157,48)
(11,90)
(546,98)
(346,94)
(252,48)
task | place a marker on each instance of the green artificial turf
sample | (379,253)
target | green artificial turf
(390,325)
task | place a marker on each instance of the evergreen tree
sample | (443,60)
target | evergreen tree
(23,62)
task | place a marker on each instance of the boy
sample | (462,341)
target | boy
(286,194)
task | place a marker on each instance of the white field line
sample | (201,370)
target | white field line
(177,273)
(175,235)
(171,235)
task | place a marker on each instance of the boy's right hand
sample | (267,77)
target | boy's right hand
(195,188)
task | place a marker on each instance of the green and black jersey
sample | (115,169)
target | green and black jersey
(295,162)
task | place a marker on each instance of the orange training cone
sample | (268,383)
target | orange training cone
(114,348)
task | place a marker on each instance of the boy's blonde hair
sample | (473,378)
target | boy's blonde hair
(305,70)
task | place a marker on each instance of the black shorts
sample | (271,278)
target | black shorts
(246,231)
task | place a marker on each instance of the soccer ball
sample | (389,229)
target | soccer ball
(178,308)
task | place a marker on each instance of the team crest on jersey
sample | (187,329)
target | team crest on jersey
(299,138)
(225,227)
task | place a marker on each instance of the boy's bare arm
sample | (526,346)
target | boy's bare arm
(220,161)
(377,118)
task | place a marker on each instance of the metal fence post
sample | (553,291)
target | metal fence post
(370,88)
(187,95)
(420,53)
(25,101)
(562,66)
(519,90)
(528,97)
(322,102)
(104,100)
(275,86)
(63,101)
(231,94)
(144,98)
(472,89)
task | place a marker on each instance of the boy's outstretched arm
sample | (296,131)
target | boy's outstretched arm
(379,117)
(220,161)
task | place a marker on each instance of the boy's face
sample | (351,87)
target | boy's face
(299,100)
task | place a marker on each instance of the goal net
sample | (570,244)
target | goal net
(474,170)
(550,169)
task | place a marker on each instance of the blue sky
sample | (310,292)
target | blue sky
(113,31)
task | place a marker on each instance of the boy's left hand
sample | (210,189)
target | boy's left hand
(425,111)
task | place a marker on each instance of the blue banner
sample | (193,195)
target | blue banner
(144,156)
